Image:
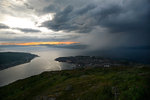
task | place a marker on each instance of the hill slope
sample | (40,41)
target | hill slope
(120,83)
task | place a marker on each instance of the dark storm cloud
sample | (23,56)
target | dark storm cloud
(85,9)
(28,6)
(61,20)
(132,20)
(3,26)
(67,20)
(128,17)
(27,30)
(50,9)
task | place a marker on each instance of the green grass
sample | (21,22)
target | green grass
(130,83)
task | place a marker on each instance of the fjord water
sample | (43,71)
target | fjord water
(45,62)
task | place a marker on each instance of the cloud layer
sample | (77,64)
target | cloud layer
(130,16)
(3,26)
(97,23)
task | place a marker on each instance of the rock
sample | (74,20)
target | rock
(83,76)
(38,98)
(89,84)
(78,98)
(68,88)
(52,98)
(45,98)
(57,94)
(72,94)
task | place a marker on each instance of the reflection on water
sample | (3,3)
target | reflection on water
(38,65)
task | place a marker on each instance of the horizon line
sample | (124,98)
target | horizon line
(40,43)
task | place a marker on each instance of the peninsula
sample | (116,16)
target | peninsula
(94,61)
(10,59)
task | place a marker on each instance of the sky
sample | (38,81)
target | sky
(98,24)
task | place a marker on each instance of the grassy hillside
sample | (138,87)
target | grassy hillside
(117,83)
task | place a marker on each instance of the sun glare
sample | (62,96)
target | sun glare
(18,22)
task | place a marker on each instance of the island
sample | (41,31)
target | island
(10,59)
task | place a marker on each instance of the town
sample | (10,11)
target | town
(92,61)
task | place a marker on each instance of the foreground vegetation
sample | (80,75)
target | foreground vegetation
(115,83)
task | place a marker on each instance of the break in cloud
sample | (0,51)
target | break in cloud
(98,23)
